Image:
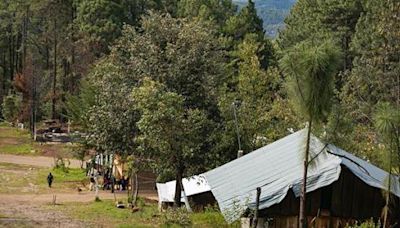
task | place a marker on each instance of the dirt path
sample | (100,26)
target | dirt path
(35,160)
(29,210)
(15,214)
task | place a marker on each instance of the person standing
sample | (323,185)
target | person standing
(50,179)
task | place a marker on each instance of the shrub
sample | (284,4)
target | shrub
(176,217)
(367,224)
(11,107)
(61,164)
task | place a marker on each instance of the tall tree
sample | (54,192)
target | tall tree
(375,74)
(310,69)
(257,96)
(246,21)
(170,130)
(218,11)
(181,55)
(320,20)
(102,21)
(387,122)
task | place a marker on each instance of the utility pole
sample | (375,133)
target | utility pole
(240,151)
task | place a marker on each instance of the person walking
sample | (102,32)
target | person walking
(50,179)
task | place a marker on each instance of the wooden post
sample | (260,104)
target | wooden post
(255,220)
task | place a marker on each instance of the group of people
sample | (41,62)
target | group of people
(119,184)
(109,181)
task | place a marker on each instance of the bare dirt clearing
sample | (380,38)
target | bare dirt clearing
(34,160)
(26,201)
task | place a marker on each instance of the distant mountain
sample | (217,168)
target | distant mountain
(273,13)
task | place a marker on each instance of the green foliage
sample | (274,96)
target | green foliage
(11,107)
(259,94)
(214,10)
(247,21)
(101,19)
(184,58)
(79,151)
(387,123)
(387,120)
(366,224)
(61,164)
(79,105)
(174,134)
(311,69)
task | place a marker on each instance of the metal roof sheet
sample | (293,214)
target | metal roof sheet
(278,167)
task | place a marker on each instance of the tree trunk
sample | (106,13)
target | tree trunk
(53,101)
(386,208)
(136,191)
(302,212)
(113,178)
(178,190)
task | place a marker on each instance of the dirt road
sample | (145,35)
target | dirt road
(34,160)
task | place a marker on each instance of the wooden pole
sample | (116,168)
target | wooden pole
(255,219)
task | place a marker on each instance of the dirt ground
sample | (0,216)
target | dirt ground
(35,160)
(15,213)
(32,209)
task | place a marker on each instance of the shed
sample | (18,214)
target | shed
(341,188)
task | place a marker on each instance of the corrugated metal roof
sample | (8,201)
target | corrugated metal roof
(278,167)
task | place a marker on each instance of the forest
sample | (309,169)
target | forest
(272,12)
(166,80)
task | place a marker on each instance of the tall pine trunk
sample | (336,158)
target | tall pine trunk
(53,100)
(302,213)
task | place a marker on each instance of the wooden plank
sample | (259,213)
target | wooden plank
(357,197)
(348,192)
(337,196)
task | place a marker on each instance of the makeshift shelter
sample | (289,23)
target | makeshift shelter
(109,164)
(196,189)
(341,187)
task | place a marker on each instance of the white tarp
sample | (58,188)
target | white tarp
(192,186)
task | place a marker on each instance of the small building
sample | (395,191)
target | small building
(342,189)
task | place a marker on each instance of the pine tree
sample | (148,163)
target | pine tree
(310,70)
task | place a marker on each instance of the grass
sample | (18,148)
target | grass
(104,213)
(18,142)
(30,179)
(210,219)
(22,149)
(15,141)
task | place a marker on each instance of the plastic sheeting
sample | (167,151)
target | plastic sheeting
(192,186)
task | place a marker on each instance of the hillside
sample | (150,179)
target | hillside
(273,13)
